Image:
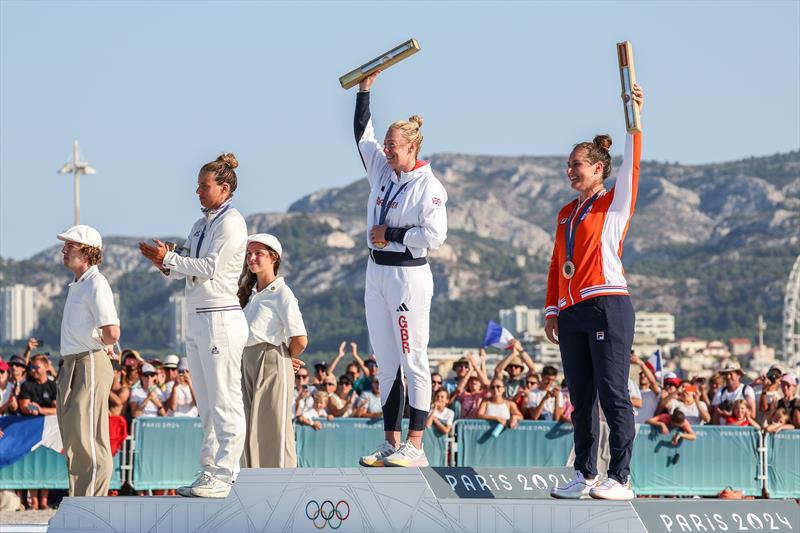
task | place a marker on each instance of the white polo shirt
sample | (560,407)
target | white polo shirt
(90,305)
(273,315)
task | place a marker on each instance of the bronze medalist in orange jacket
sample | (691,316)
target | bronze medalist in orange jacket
(597,252)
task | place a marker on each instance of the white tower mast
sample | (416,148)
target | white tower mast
(76,167)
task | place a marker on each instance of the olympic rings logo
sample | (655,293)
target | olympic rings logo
(332,516)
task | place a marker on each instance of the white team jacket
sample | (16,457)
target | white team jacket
(419,207)
(212,279)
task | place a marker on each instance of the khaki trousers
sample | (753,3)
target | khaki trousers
(267,384)
(84,384)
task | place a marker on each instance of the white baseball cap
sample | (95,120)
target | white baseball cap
(267,240)
(82,234)
(171,361)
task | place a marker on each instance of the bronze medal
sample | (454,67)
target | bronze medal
(568,270)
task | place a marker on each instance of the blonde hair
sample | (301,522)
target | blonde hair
(410,130)
(321,396)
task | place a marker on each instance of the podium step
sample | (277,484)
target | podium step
(411,500)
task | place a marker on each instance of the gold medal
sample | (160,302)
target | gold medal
(568,270)
(380,245)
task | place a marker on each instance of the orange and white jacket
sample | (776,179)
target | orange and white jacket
(597,252)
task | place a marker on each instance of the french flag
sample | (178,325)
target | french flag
(497,336)
(23,434)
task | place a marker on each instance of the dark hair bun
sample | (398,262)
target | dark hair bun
(229,160)
(603,141)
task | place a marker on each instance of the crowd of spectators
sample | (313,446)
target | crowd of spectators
(516,389)
(140,388)
(519,389)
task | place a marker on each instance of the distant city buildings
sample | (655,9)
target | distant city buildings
(658,325)
(524,323)
(177,322)
(19,312)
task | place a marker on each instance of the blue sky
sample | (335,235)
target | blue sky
(155,89)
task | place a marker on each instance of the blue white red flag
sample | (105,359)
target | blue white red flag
(497,336)
(23,434)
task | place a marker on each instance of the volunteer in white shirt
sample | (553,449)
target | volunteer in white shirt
(277,338)
(406,217)
(89,327)
(211,260)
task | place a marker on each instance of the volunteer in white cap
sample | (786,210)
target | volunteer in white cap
(276,340)
(89,328)
(406,217)
(210,261)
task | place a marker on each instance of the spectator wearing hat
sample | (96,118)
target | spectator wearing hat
(8,400)
(181,400)
(461,368)
(169,368)
(514,364)
(149,399)
(734,390)
(89,328)
(684,399)
(472,390)
(131,361)
(18,372)
(277,337)
(369,401)
(545,401)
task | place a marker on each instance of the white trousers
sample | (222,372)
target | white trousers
(214,348)
(398,308)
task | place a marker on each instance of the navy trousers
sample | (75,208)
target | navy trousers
(595,337)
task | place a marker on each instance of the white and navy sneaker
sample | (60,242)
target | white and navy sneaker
(611,489)
(576,488)
(186,490)
(384,450)
(407,455)
(212,487)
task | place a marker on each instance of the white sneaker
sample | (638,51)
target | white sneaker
(611,489)
(212,487)
(376,458)
(407,455)
(186,490)
(576,488)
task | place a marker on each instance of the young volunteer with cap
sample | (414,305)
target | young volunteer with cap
(210,261)
(277,338)
(89,328)
(149,399)
(406,217)
(589,312)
